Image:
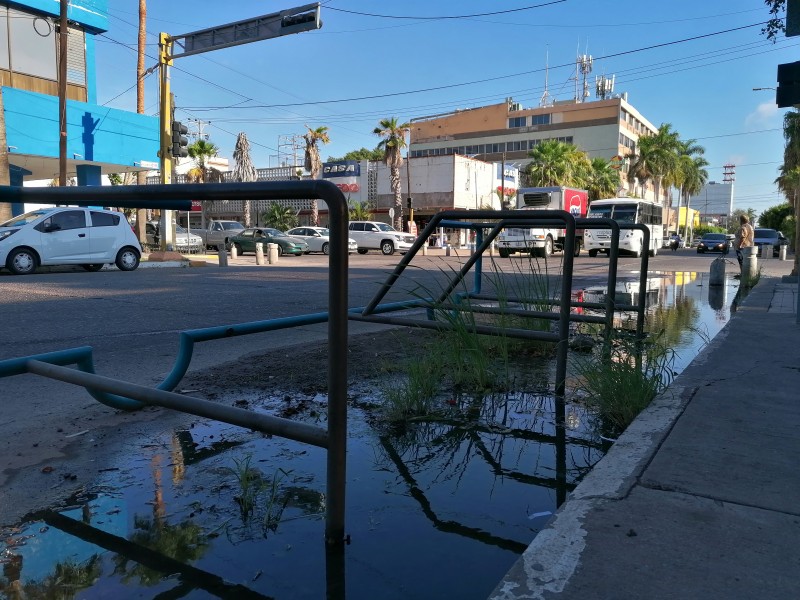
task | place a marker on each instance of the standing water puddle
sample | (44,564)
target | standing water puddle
(434,509)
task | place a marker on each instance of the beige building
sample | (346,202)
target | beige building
(507,132)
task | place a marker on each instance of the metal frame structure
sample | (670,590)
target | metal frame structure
(127,396)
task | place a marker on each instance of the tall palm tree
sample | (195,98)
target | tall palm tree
(556,164)
(393,141)
(243,169)
(789,183)
(791,162)
(601,181)
(695,178)
(313,163)
(688,175)
(655,159)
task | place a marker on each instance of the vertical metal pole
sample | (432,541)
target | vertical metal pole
(165,117)
(62,95)
(337,366)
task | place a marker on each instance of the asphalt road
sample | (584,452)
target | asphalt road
(132,321)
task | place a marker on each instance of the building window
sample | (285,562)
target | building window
(517,122)
(540,119)
(33,45)
(627,142)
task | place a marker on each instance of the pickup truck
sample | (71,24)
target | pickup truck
(218,232)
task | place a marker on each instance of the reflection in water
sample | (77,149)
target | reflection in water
(479,483)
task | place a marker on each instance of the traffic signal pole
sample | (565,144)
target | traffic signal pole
(166,226)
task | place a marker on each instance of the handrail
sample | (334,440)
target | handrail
(180,196)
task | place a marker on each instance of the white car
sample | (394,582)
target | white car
(89,237)
(184,240)
(318,239)
(374,235)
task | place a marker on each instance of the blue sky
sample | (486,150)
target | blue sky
(360,68)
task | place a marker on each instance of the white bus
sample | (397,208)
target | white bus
(625,211)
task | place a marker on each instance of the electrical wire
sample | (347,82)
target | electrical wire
(418,18)
(481,81)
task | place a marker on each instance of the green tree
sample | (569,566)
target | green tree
(775,24)
(789,179)
(393,141)
(313,163)
(201,151)
(655,159)
(360,211)
(115,179)
(689,175)
(601,181)
(362,154)
(774,217)
(556,164)
(280,217)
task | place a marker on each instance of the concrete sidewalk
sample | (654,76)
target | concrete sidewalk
(700,498)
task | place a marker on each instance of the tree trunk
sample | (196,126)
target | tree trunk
(5,168)
(394,180)
(314,212)
(247,211)
(796,270)
(141,176)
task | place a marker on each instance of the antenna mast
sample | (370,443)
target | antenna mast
(584,65)
(545,100)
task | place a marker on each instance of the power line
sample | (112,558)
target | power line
(482,81)
(418,18)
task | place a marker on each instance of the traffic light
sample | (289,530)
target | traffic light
(179,142)
(410,203)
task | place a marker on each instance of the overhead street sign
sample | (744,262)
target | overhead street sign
(285,22)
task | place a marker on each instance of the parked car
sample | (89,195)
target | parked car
(89,237)
(713,242)
(374,235)
(318,239)
(772,237)
(184,240)
(246,241)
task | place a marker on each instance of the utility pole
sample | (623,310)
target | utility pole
(62,95)
(141,176)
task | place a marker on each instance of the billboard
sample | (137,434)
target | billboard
(345,174)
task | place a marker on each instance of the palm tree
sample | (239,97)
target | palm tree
(601,181)
(789,183)
(688,175)
(200,151)
(393,140)
(244,169)
(280,217)
(791,162)
(313,164)
(360,211)
(557,164)
(695,176)
(655,159)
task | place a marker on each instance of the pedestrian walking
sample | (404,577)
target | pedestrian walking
(743,239)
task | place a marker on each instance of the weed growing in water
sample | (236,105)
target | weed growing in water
(250,483)
(464,359)
(275,508)
(620,380)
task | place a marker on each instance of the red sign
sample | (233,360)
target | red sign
(196,206)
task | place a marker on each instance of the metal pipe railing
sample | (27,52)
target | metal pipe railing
(180,197)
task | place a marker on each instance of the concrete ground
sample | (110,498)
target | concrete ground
(700,496)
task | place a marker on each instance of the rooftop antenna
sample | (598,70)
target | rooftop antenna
(585,67)
(604,87)
(545,100)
